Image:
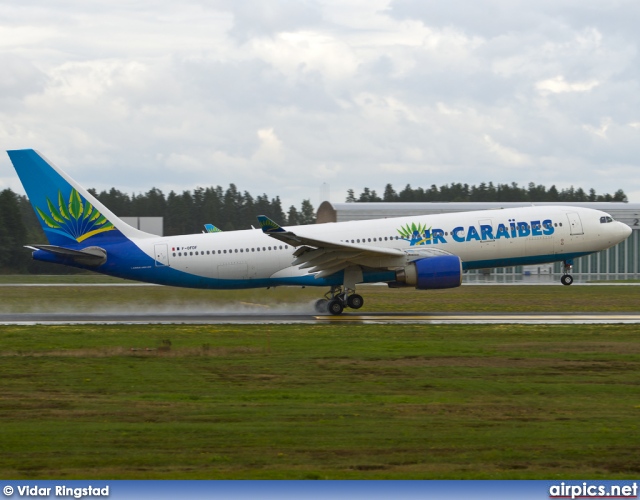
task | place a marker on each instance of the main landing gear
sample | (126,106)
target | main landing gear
(567,279)
(336,299)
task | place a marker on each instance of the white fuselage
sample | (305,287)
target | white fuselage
(481,239)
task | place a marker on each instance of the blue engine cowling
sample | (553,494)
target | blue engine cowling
(431,273)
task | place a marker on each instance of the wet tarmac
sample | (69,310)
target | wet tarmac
(284,318)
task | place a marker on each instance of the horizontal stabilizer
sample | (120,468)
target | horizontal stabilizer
(90,256)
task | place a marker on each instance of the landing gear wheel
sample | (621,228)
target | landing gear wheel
(321,305)
(355,301)
(335,307)
(567,279)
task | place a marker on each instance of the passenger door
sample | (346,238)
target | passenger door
(575,224)
(161,255)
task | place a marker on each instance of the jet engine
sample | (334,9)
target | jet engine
(444,271)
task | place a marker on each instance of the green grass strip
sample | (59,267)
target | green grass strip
(320,401)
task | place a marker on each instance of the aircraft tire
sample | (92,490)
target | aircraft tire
(321,305)
(567,279)
(335,307)
(355,301)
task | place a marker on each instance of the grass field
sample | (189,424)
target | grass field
(321,401)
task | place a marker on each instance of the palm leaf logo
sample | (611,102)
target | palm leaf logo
(414,234)
(75,218)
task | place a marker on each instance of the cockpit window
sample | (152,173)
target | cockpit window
(606,220)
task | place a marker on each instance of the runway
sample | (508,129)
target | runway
(425,318)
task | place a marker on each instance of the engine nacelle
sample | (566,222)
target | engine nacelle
(444,271)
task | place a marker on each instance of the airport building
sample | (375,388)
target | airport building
(619,262)
(152,225)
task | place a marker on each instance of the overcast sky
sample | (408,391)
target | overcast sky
(281,96)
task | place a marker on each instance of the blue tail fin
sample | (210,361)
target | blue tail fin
(69,215)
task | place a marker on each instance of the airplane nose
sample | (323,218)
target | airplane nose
(625,231)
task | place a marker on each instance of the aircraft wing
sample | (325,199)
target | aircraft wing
(326,257)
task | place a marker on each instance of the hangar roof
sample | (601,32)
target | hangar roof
(629,213)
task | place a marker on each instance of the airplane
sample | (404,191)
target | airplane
(425,251)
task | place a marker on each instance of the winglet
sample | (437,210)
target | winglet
(212,229)
(268,226)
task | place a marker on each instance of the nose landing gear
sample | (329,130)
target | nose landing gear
(567,279)
(337,299)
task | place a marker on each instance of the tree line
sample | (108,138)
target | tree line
(187,212)
(457,192)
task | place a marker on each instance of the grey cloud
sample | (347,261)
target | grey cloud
(19,78)
(491,18)
(267,17)
(479,91)
(251,86)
